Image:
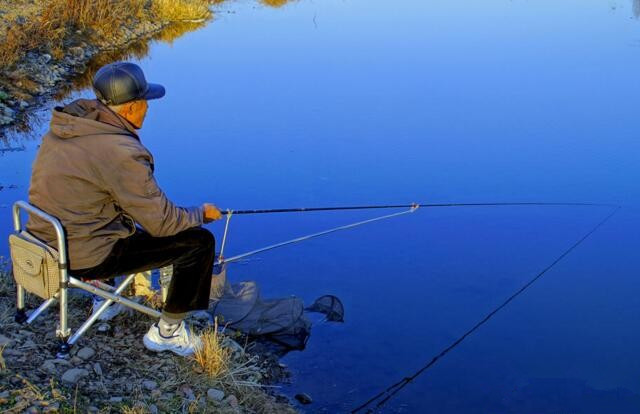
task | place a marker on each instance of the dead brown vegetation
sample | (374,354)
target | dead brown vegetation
(47,25)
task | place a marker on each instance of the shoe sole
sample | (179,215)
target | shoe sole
(152,346)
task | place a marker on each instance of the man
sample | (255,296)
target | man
(93,174)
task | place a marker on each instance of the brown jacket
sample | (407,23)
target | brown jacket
(94,175)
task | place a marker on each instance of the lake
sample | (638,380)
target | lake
(365,102)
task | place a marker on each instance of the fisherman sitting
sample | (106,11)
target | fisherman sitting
(94,175)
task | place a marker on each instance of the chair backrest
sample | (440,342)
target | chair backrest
(37,267)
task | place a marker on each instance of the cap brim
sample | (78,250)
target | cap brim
(155,91)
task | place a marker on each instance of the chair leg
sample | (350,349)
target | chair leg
(96,314)
(41,309)
(63,331)
(21,315)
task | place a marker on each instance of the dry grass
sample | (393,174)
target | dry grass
(136,409)
(174,11)
(274,3)
(47,25)
(213,357)
(3,364)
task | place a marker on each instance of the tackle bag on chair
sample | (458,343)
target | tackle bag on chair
(35,265)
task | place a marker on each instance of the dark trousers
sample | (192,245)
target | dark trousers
(191,253)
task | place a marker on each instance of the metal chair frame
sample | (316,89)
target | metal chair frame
(110,293)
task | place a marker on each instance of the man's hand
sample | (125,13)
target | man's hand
(211,213)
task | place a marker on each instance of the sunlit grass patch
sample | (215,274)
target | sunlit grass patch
(3,364)
(275,3)
(48,24)
(183,10)
(213,358)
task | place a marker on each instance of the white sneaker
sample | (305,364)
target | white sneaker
(183,342)
(111,312)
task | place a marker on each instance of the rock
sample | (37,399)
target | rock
(304,398)
(232,401)
(49,366)
(3,96)
(215,394)
(115,400)
(188,393)
(45,58)
(21,20)
(23,104)
(104,328)
(86,353)
(52,408)
(61,361)
(76,361)
(33,410)
(149,385)
(73,375)
(4,341)
(12,352)
(153,409)
(77,52)
(97,368)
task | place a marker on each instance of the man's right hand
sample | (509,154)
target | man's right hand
(211,213)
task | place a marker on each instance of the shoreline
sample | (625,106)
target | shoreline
(45,73)
(110,371)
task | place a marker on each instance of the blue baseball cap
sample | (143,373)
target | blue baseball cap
(122,82)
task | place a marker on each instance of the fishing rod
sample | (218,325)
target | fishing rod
(412,205)
(377,401)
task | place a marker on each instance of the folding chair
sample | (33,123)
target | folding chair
(41,270)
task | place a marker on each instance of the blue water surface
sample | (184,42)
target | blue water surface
(348,102)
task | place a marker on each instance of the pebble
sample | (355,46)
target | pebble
(188,393)
(232,401)
(12,352)
(49,366)
(77,52)
(4,341)
(214,394)
(86,353)
(149,385)
(76,361)
(73,375)
(97,368)
(52,408)
(304,398)
(60,361)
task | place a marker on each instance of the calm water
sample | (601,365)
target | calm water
(341,102)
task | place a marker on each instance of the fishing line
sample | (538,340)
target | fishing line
(309,236)
(385,395)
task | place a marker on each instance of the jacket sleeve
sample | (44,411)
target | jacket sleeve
(134,189)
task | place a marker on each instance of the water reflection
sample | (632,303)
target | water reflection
(636,8)
(34,119)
